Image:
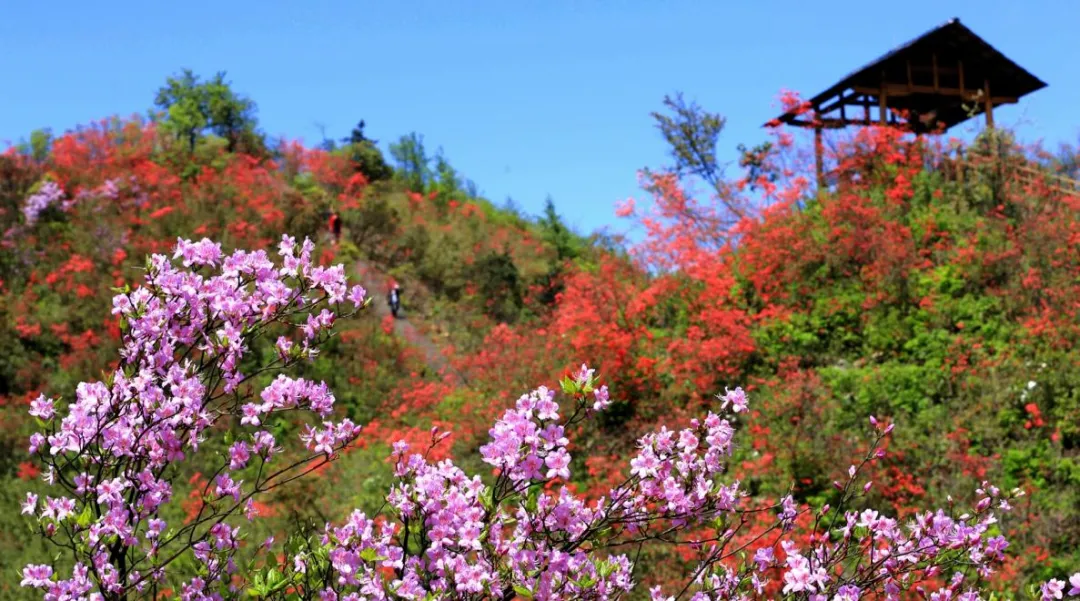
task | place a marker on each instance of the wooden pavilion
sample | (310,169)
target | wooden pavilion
(939,80)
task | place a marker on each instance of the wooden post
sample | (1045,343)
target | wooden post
(989,104)
(960,166)
(882,101)
(819,160)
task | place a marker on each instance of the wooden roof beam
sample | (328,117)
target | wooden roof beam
(829,123)
(849,98)
(905,90)
(917,68)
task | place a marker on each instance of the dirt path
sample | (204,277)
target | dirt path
(376,285)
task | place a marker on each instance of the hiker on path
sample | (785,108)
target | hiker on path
(394,299)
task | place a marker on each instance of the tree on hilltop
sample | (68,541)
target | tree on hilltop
(193,107)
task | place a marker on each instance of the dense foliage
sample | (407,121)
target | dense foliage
(941,302)
(116,452)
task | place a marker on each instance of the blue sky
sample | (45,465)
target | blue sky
(526,97)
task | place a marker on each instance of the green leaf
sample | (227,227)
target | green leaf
(605,568)
(371,555)
(273,577)
(584,583)
(533,499)
(85,517)
(522,591)
(258,587)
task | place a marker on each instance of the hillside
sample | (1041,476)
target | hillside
(945,304)
(942,304)
(80,212)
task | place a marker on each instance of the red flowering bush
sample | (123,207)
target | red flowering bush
(902,290)
(113,454)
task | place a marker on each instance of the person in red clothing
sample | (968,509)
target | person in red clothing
(335,226)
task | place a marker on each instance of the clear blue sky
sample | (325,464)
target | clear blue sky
(527,97)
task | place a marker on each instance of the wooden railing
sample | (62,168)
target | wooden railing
(963,168)
(1029,174)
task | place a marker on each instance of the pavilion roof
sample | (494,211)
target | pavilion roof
(934,74)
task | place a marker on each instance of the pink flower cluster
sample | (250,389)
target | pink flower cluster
(50,193)
(677,474)
(528,442)
(482,541)
(187,333)
(445,534)
(527,535)
(1055,589)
